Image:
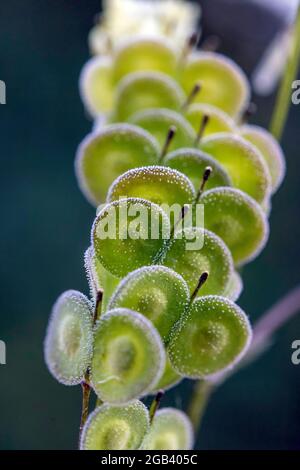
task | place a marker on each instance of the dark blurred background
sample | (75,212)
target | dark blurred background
(45,225)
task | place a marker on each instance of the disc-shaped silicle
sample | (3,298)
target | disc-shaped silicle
(223,83)
(218,120)
(96,86)
(270,150)
(104,155)
(170,429)
(157,184)
(243,162)
(69,338)
(193,162)
(128,234)
(159,121)
(235,287)
(238,220)
(114,427)
(128,357)
(217,333)
(195,250)
(157,292)
(141,90)
(144,55)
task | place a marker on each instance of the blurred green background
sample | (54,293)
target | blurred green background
(45,224)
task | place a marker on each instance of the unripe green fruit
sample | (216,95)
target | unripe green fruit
(217,333)
(128,234)
(157,184)
(144,55)
(106,154)
(69,338)
(157,292)
(238,220)
(223,84)
(112,427)
(128,357)
(170,429)
(142,90)
(243,162)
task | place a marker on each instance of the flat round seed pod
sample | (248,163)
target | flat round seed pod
(105,155)
(170,429)
(157,184)
(193,162)
(218,120)
(218,334)
(113,427)
(142,90)
(159,121)
(128,357)
(96,86)
(69,339)
(235,287)
(243,162)
(195,250)
(270,150)
(223,83)
(168,380)
(144,55)
(128,234)
(238,220)
(157,292)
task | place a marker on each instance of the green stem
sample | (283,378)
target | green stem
(200,397)
(282,105)
(86,391)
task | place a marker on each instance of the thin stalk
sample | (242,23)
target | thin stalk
(283,100)
(201,394)
(85,385)
(155,404)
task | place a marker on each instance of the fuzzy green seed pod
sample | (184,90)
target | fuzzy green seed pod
(106,154)
(170,429)
(217,333)
(112,427)
(128,234)
(69,339)
(218,120)
(128,357)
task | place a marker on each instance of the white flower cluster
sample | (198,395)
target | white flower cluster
(152,18)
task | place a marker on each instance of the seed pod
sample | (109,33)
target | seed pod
(238,220)
(159,121)
(270,150)
(235,287)
(195,250)
(128,358)
(218,334)
(142,90)
(69,339)
(112,427)
(157,184)
(144,55)
(193,162)
(157,292)
(104,155)
(170,429)
(223,83)
(128,234)
(96,86)
(243,162)
(218,120)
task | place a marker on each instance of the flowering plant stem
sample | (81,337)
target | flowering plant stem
(282,105)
